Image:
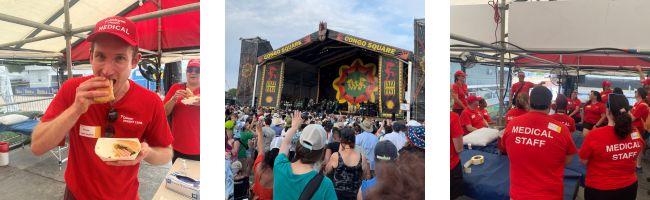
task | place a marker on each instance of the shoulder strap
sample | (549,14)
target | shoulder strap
(311,187)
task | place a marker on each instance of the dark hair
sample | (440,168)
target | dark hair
(399,126)
(522,101)
(348,137)
(336,131)
(597,94)
(357,128)
(269,158)
(619,107)
(482,103)
(267,120)
(403,179)
(618,90)
(643,94)
(388,129)
(307,156)
(560,103)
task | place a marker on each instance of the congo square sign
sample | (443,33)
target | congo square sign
(271,85)
(356,83)
(390,85)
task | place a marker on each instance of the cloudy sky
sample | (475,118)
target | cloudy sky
(283,21)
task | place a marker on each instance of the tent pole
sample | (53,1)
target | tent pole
(500,48)
(158,88)
(409,86)
(502,11)
(68,45)
(25,22)
(254,88)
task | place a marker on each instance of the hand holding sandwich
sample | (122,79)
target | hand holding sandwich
(144,152)
(91,91)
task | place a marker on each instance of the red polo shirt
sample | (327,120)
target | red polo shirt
(140,115)
(604,95)
(593,112)
(537,147)
(640,112)
(186,123)
(515,112)
(566,120)
(485,115)
(572,104)
(456,131)
(525,88)
(611,161)
(471,117)
(461,90)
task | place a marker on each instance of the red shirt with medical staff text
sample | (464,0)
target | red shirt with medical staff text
(566,120)
(593,112)
(640,112)
(611,161)
(186,122)
(456,131)
(461,90)
(525,88)
(537,147)
(140,115)
(485,115)
(604,95)
(515,112)
(471,117)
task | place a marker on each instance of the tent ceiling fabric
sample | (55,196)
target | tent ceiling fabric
(473,21)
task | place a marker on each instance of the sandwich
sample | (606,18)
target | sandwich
(112,149)
(110,97)
(125,148)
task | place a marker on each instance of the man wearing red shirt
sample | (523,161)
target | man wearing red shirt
(471,119)
(521,87)
(459,92)
(560,113)
(538,147)
(135,113)
(456,144)
(607,89)
(186,121)
(610,154)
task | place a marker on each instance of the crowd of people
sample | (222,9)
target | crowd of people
(288,154)
(537,138)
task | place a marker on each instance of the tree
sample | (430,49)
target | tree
(231,93)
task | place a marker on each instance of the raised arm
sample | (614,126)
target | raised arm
(296,121)
(639,70)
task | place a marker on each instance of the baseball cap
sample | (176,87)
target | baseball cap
(459,73)
(194,63)
(540,98)
(312,137)
(472,99)
(118,26)
(385,151)
(606,83)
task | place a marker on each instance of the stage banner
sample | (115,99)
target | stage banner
(390,85)
(288,48)
(271,87)
(357,83)
(250,49)
(417,83)
(370,45)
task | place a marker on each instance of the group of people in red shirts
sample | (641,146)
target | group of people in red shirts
(539,145)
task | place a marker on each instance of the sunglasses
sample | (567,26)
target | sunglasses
(112,117)
(195,70)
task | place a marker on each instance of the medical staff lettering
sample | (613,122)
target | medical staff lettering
(631,147)
(536,142)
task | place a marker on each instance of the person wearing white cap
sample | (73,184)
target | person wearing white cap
(293,180)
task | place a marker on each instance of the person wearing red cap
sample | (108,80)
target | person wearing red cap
(186,120)
(135,112)
(607,89)
(521,107)
(538,148)
(470,118)
(645,82)
(521,87)
(459,92)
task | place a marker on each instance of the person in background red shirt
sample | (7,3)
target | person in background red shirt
(537,160)
(521,87)
(459,92)
(456,144)
(560,113)
(482,105)
(521,107)
(645,82)
(573,106)
(610,154)
(470,118)
(594,114)
(186,122)
(135,112)
(639,114)
(607,89)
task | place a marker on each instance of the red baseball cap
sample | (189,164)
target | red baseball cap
(459,73)
(606,83)
(194,63)
(646,81)
(472,99)
(120,27)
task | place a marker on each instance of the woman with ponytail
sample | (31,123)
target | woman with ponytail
(610,154)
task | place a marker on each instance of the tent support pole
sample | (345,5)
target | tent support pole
(68,37)
(254,88)
(158,88)
(502,11)
(409,86)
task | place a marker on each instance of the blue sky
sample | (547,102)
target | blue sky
(283,21)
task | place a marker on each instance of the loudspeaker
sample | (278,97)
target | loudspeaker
(172,74)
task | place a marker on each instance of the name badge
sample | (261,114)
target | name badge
(90,131)
(635,135)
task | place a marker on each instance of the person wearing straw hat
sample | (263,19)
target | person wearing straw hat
(367,140)
(538,148)
(459,92)
(134,112)
(185,118)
